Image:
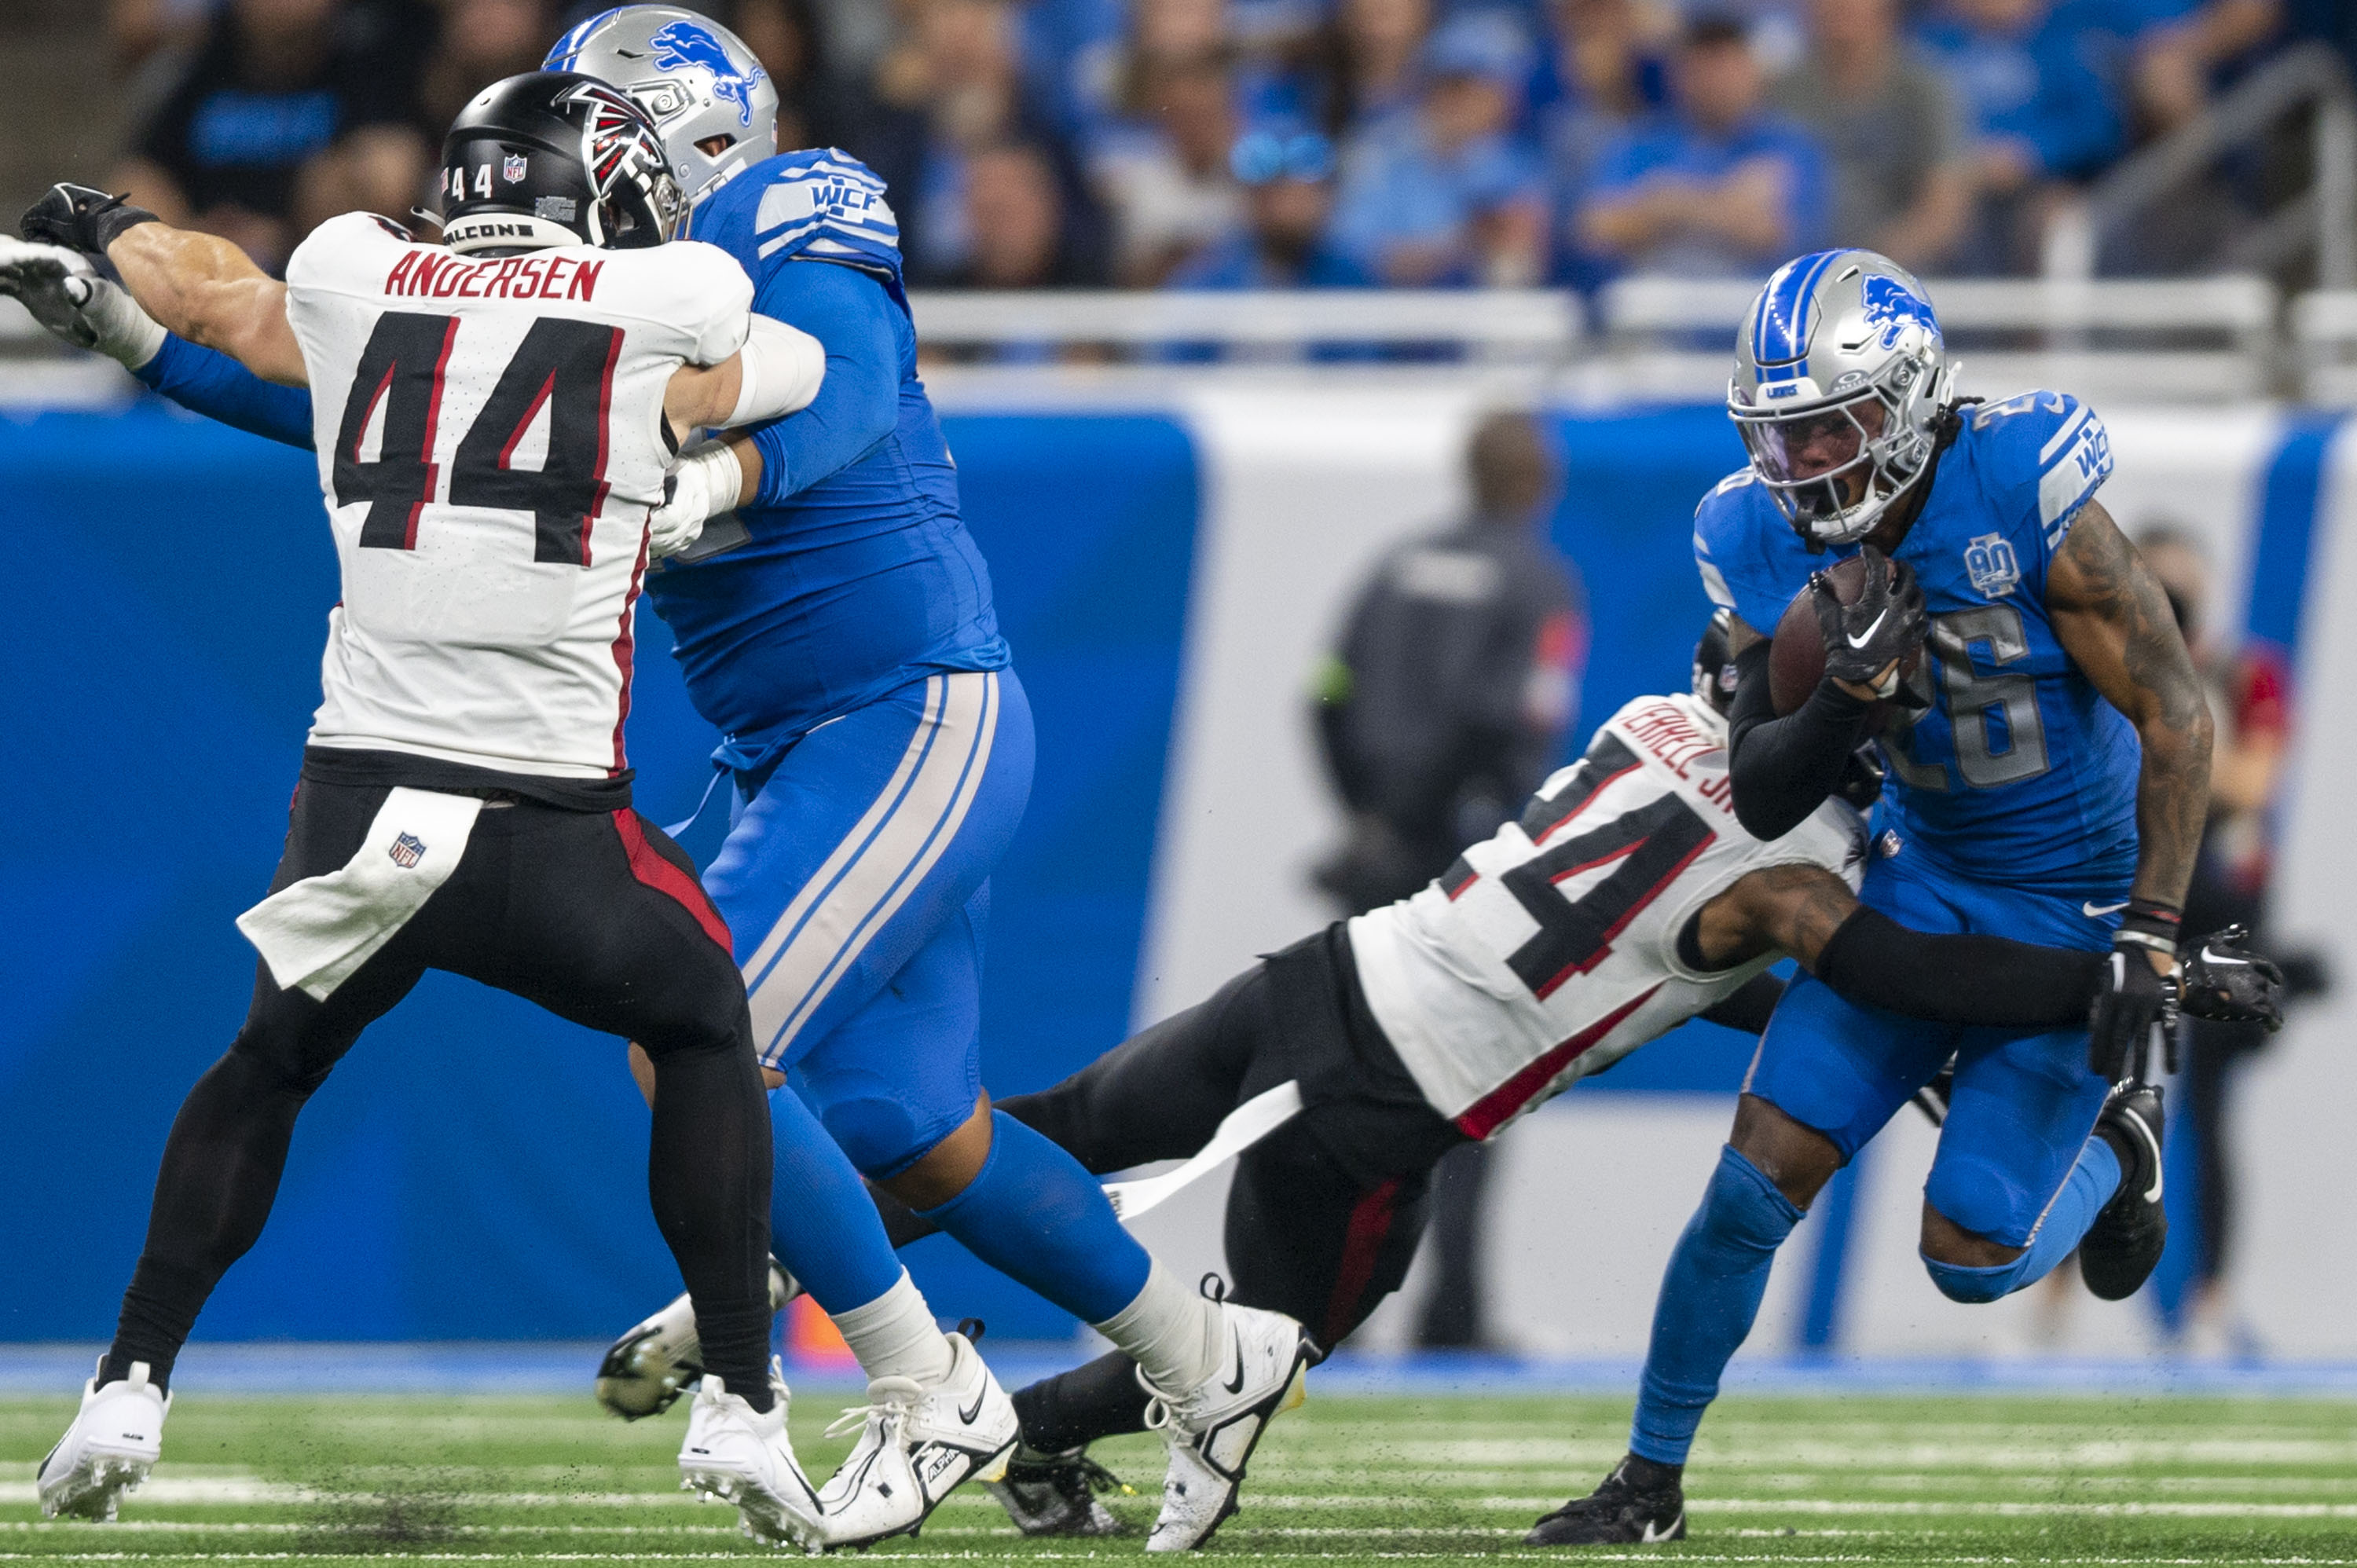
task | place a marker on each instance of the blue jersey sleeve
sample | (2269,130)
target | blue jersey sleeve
(1751,560)
(2042,456)
(860,325)
(218,387)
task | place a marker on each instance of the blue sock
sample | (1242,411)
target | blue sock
(823,1225)
(1709,1296)
(1034,1215)
(2085,1190)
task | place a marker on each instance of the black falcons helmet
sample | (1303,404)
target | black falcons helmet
(1714,667)
(553,157)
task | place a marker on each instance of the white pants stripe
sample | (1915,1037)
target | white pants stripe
(875,867)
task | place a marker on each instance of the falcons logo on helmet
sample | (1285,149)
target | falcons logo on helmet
(618,143)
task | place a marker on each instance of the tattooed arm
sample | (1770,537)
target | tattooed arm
(1807,911)
(2115,622)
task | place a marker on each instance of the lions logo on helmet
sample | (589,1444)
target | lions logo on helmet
(1840,372)
(707,92)
(689,44)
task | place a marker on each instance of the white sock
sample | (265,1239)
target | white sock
(1171,1332)
(895,1335)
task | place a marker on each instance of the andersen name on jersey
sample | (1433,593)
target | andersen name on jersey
(1550,949)
(491,439)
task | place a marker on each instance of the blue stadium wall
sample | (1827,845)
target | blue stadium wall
(475,1169)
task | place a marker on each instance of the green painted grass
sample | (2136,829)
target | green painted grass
(1345,1480)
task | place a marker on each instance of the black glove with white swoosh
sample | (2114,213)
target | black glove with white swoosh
(2222,981)
(2135,1010)
(1874,634)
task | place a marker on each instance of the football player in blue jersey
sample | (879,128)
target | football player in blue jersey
(878,749)
(2048,782)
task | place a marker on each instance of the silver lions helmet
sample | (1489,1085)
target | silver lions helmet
(1840,372)
(714,106)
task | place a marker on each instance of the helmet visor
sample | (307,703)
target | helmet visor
(1819,445)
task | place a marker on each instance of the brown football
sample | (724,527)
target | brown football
(1796,658)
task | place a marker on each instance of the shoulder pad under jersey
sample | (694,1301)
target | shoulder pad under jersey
(2041,454)
(823,205)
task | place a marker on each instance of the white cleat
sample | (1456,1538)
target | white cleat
(741,1455)
(647,1368)
(920,1441)
(1210,1430)
(115,1441)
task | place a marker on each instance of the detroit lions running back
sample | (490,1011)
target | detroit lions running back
(2053,777)
(878,749)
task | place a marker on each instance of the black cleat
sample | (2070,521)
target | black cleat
(1639,1504)
(1055,1493)
(2118,1254)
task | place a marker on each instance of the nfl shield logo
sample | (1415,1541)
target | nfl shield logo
(511,169)
(406,850)
(1988,560)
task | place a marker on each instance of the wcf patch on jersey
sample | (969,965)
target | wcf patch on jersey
(1989,561)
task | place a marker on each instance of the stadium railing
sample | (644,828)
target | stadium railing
(2324,344)
(2172,341)
(1643,339)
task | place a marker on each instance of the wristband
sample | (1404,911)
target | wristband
(108,223)
(2151,923)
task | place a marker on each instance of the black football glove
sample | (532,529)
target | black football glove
(2134,1010)
(2222,981)
(81,219)
(1877,633)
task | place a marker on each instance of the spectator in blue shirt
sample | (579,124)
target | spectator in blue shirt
(1718,186)
(288,112)
(1444,194)
(2034,90)
(1288,180)
(1607,70)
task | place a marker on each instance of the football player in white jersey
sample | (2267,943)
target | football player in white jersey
(1625,900)
(495,416)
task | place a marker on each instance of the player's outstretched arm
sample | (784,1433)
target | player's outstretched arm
(2113,619)
(211,293)
(1809,912)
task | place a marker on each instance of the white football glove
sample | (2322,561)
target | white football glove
(61,291)
(704,483)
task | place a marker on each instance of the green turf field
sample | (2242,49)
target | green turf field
(1848,1479)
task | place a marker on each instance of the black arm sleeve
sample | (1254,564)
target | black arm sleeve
(1784,769)
(1748,1008)
(1874,959)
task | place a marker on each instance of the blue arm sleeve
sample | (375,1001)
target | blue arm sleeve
(220,388)
(858,403)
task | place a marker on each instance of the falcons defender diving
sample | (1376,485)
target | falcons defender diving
(1627,898)
(495,418)
(838,629)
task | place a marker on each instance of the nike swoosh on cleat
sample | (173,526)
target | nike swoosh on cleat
(1868,635)
(1668,1532)
(2097,911)
(1237,1386)
(970,1413)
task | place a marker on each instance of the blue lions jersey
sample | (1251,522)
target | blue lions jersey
(2020,773)
(857,575)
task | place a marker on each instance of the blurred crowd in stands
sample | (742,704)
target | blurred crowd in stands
(1237,143)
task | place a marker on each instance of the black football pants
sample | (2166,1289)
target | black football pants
(1304,1237)
(596,917)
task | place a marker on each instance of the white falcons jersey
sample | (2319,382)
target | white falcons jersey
(1550,951)
(490,439)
